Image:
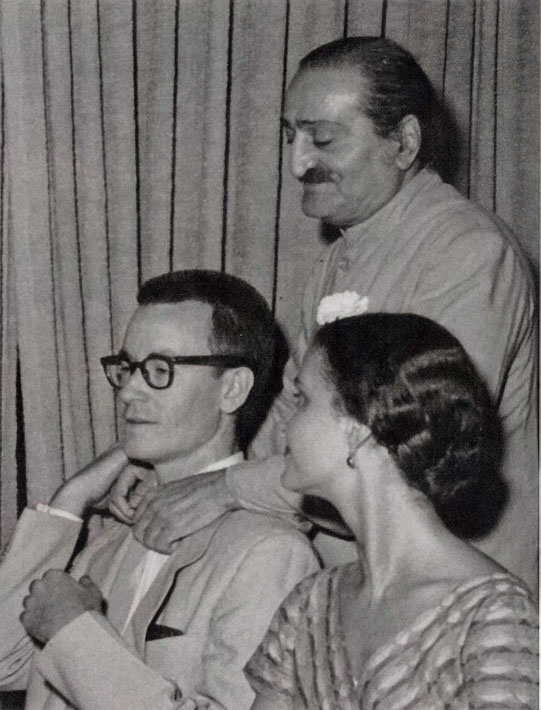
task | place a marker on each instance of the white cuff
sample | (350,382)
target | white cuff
(42,508)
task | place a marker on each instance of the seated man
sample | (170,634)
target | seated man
(129,628)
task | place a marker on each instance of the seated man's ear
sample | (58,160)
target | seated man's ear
(236,385)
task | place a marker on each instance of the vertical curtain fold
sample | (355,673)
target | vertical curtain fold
(141,136)
(30,241)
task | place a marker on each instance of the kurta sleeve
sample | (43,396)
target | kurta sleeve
(41,541)
(477,286)
(256,486)
(500,656)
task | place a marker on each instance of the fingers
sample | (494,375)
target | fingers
(118,497)
(87,581)
(154,537)
(148,483)
(149,496)
(177,509)
(95,597)
(55,600)
(36,590)
(121,501)
(125,515)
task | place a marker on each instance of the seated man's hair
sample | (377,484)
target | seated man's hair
(242,325)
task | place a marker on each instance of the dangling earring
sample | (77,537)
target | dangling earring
(351,458)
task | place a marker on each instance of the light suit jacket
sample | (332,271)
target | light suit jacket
(216,595)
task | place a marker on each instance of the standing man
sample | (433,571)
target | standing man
(140,630)
(360,118)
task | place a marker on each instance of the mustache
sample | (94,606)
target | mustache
(315,175)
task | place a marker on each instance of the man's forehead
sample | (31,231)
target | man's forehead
(166,325)
(318,94)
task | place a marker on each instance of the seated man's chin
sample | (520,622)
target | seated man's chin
(291,478)
(138,453)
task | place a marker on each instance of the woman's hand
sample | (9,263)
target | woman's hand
(90,484)
(179,508)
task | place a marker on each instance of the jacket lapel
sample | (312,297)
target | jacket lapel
(189,550)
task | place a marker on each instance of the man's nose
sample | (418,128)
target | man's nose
(135,388)
(301,156)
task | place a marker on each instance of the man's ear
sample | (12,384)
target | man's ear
(236,385)
(408,135)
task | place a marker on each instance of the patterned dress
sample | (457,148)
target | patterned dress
(476,649)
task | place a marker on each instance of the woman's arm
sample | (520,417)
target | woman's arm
(174,510)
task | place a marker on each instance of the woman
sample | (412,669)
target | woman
(395,429)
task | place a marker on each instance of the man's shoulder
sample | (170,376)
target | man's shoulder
(445,225)
(441,211)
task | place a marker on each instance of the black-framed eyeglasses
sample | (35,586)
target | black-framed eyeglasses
(159,370)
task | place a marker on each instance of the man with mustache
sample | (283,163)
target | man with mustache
(361,121)
(130,628)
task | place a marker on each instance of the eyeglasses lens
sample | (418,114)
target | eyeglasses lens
(158,372)
(118,372)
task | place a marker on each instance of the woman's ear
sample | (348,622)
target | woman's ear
(359,433)
(355,432)
(236,385)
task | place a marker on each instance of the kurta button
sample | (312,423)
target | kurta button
(343,264)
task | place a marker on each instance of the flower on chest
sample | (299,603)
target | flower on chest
(340,305)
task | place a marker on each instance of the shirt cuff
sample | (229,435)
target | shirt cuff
(42,508)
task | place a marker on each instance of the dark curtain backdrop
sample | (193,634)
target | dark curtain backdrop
(140,136)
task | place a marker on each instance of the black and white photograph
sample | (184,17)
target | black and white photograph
(269,386)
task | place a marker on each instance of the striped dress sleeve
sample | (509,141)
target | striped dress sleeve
(500,654)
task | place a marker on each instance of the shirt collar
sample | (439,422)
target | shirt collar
(238,457)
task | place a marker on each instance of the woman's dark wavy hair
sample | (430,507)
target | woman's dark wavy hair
(411,382)
(242,324)
(397,84)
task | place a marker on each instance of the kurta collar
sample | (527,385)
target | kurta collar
(378,224)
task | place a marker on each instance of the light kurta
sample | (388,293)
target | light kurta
(431,252)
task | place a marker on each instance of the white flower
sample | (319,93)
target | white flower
(340,305)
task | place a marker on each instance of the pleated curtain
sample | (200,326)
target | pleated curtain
(142,136)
